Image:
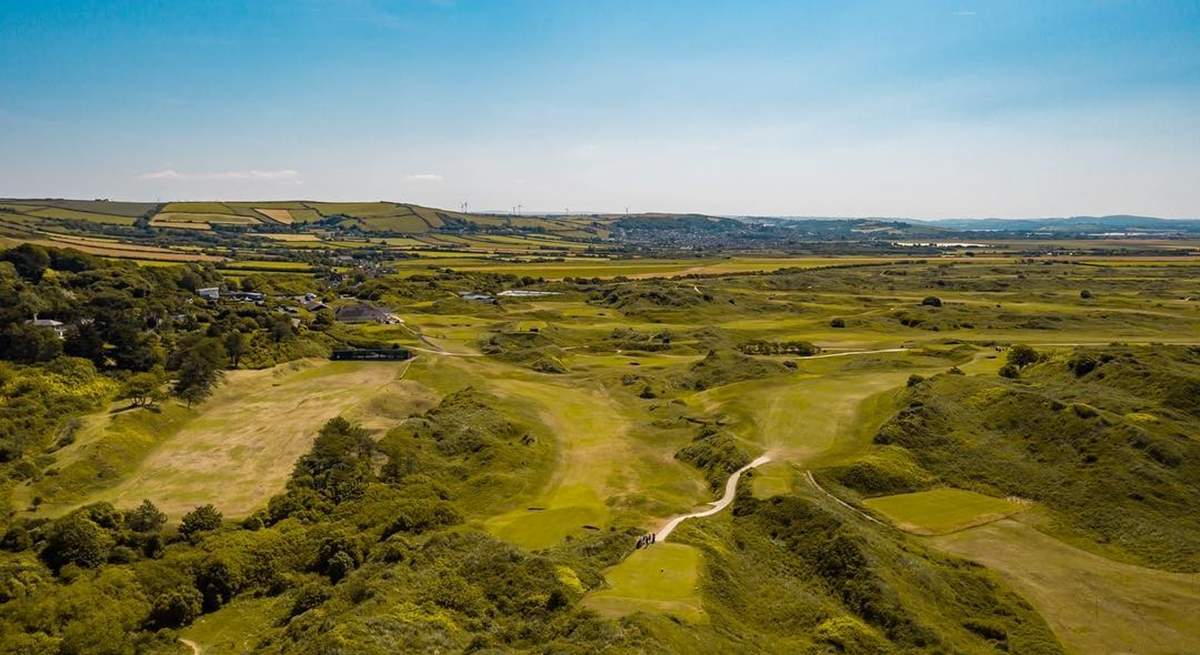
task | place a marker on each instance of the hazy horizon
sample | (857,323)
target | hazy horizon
(930,110)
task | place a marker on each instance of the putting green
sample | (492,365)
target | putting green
(772,479)
(661,579)
(941,511)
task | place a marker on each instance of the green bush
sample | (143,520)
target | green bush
(1021,356)
(205,518)
(176,608)
(716,453)
(76,540)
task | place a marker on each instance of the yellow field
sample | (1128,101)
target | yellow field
(240,447)
(277,215)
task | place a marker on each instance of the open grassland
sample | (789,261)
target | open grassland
(115,249)
(89,211)
(941,511)
(1094,605)
(197,208)
(238,448)
(75,215)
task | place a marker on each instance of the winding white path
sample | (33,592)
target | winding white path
(730,490)
(856,352)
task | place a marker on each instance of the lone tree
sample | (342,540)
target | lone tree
(200,369)
(204,518)
(932,301)
(145,519)
(145,389)
(281,328)
(236,345)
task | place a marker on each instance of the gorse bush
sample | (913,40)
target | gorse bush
(1128,484)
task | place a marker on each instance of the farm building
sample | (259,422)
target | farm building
(50,323)
(209,293)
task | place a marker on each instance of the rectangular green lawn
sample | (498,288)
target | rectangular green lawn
(941,511)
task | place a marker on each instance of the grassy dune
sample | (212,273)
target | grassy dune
(1094,605)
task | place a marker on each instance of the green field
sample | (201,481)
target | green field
(662,579)
(941,511)
(253,429)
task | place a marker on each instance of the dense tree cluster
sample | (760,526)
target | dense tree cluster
(77,330)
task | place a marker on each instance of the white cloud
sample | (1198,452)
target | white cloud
(284,175)
(165,174)
(424,177)
(964,12)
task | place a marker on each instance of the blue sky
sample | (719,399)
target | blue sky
(926,109)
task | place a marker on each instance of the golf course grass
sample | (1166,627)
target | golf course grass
(660,579)
(941,511)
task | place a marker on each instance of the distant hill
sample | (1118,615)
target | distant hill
(650,228)
(1089,224)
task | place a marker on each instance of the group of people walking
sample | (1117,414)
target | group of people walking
(646,540)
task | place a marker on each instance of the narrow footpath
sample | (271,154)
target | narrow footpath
(730,491)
